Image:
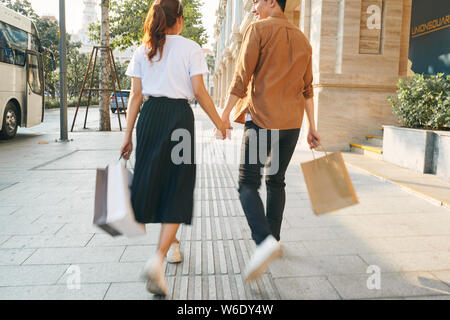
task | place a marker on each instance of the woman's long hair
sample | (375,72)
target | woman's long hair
(162,15)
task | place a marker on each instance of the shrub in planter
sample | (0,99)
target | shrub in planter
(423,102)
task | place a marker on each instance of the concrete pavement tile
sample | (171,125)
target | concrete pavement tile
(306,288)
(343,246)
(105,240)
(291,266)
(3,239)
(410,261)
(14,256)
(108,272)
(15,220)
(432,228)
(409,244)
(75,255)
(130,291)
(373,231)
(74,228)
(313,233)
(443,275)
(48,241)
(7,210)
(297,261)
(138,253)
(439,243)
(392,285)
(57,292)
(445,297)
(29,229)
(66,217)
(30,275)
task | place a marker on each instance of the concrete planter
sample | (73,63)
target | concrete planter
(424,151)
(442,154)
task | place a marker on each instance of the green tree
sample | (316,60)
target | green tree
(127,19)
(21,6)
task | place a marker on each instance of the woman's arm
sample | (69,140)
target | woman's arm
(134,106)
(207,104)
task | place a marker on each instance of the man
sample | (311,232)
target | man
(272,88)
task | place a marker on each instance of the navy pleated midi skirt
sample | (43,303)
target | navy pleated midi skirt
(163,189)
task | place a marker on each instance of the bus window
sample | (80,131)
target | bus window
(15,36)
(19,57)
(33,74)
(35,42)
(6,54)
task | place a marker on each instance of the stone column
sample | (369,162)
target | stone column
(224,85)
(215,89)
(360,49)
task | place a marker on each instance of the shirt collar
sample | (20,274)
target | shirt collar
(279,16)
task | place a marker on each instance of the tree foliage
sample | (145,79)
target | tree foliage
(77,62)
(127,19)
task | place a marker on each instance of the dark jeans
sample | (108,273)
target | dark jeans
(261,149)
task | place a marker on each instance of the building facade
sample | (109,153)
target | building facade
(360,49)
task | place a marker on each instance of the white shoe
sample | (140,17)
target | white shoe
(174,254)
(266,252)
(154,273)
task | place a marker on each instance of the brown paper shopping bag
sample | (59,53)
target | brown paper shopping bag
(328,183)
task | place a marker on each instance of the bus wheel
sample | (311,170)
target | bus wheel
(9,127)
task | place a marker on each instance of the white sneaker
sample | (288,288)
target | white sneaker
(266,252)
(154,273)
(174,254)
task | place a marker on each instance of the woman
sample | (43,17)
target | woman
(167,70)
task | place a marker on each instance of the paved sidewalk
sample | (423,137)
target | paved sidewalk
(46,232)
(426,185)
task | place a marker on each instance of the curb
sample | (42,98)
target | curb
(405,187)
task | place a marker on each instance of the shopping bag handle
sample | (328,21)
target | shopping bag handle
(314,156)
(126,161)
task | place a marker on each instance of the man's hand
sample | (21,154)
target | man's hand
(226,125)
(314,140)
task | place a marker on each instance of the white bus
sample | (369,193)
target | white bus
(21,74)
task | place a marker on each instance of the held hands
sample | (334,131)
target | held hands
(224,130)
(314,140)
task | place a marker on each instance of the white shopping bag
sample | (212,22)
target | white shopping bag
(113,210)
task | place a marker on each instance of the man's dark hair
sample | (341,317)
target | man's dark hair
(282,4)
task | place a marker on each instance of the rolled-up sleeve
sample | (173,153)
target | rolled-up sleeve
(308,91)
(248,59)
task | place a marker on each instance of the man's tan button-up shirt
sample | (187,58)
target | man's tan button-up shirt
(275,66)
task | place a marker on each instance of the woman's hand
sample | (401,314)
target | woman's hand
(314,140)
(226,126)
(127,149)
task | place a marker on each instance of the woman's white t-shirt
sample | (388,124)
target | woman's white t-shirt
(171,76)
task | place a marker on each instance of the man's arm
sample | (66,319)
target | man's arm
(247,61)
(313,136)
